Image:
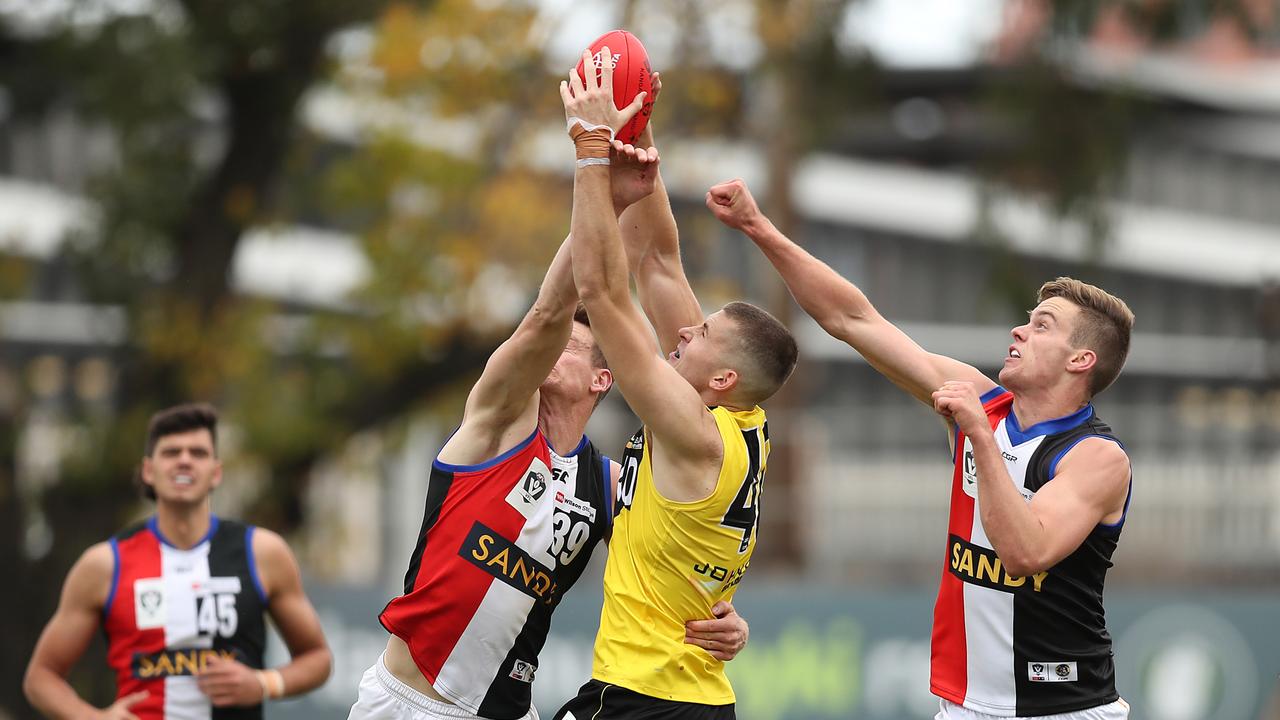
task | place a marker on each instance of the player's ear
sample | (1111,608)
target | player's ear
(217,475)
(602,381)
(1081,361)
(725,380)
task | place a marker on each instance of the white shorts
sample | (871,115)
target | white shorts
(383,697)
(1118,710)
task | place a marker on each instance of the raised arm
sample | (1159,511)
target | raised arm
(667,404)
(502,408)
(838,305)
(652,241)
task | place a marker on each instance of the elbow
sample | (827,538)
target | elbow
(546,314)
(1022,564)
(592,292)
(326,666)
(30,685)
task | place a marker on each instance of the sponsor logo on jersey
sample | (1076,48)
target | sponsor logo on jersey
(570,503)
(721,578)
(981,566)
(176,663)
(1052,672)
(498,556)
(523,671)
(148,603)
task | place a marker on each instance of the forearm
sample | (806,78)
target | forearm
(53,696)
(307,671)
(557,297)
(1015,532)
(826,296)
(648,226)
(599,263)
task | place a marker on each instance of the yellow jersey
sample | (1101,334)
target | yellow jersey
(672,561)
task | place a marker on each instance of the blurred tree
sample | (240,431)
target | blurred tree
(201,100)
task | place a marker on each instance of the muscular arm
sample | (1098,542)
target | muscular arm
(838,305)
(1089,487)
(310,660)
(667,404)
(502,408)
(67,636)
(652,240)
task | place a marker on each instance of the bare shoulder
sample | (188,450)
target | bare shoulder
(89,580)
(277,568)
(1097,453)
(268,546)
(1097,466)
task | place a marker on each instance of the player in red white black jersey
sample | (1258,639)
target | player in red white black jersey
(518,498)
(1039,493)
(180,599)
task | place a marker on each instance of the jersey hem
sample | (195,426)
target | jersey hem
(1024,710)
(660,694)
(440,687)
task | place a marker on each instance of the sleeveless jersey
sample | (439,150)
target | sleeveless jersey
(169,610)
(670,562)
(500,544)
(1018,646)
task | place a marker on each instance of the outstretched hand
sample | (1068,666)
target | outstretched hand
(589,100)
(633,173)
(732,204)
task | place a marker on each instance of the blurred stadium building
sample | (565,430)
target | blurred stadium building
(898,206)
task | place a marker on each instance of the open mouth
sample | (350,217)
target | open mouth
(1014,353)
(183,480)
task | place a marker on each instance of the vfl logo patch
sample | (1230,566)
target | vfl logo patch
(499,557)
(530,488)
(523,671)
(969,471)
(981,566)
(1052,672)
(175,663)
(148,603)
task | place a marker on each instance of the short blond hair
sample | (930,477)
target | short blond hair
(1104,326)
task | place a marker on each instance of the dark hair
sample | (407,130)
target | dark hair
(1104,326)
(598,359)
(768,347)
(174,420)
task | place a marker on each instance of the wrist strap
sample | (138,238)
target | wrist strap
(591,142)
(272,683)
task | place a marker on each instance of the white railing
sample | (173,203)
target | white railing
(1198,514)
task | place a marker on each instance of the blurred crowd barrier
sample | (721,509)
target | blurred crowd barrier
(861,652)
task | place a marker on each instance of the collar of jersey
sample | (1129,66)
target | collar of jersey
(154,526)
(581,444)
(1049,427)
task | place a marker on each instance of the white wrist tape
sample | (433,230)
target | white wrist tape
(589,127)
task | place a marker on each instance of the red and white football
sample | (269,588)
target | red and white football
(631,76)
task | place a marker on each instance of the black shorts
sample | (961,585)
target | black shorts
(601,701)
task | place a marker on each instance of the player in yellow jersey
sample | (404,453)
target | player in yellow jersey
(689,496)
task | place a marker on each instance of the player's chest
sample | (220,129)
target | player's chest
(183,594)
